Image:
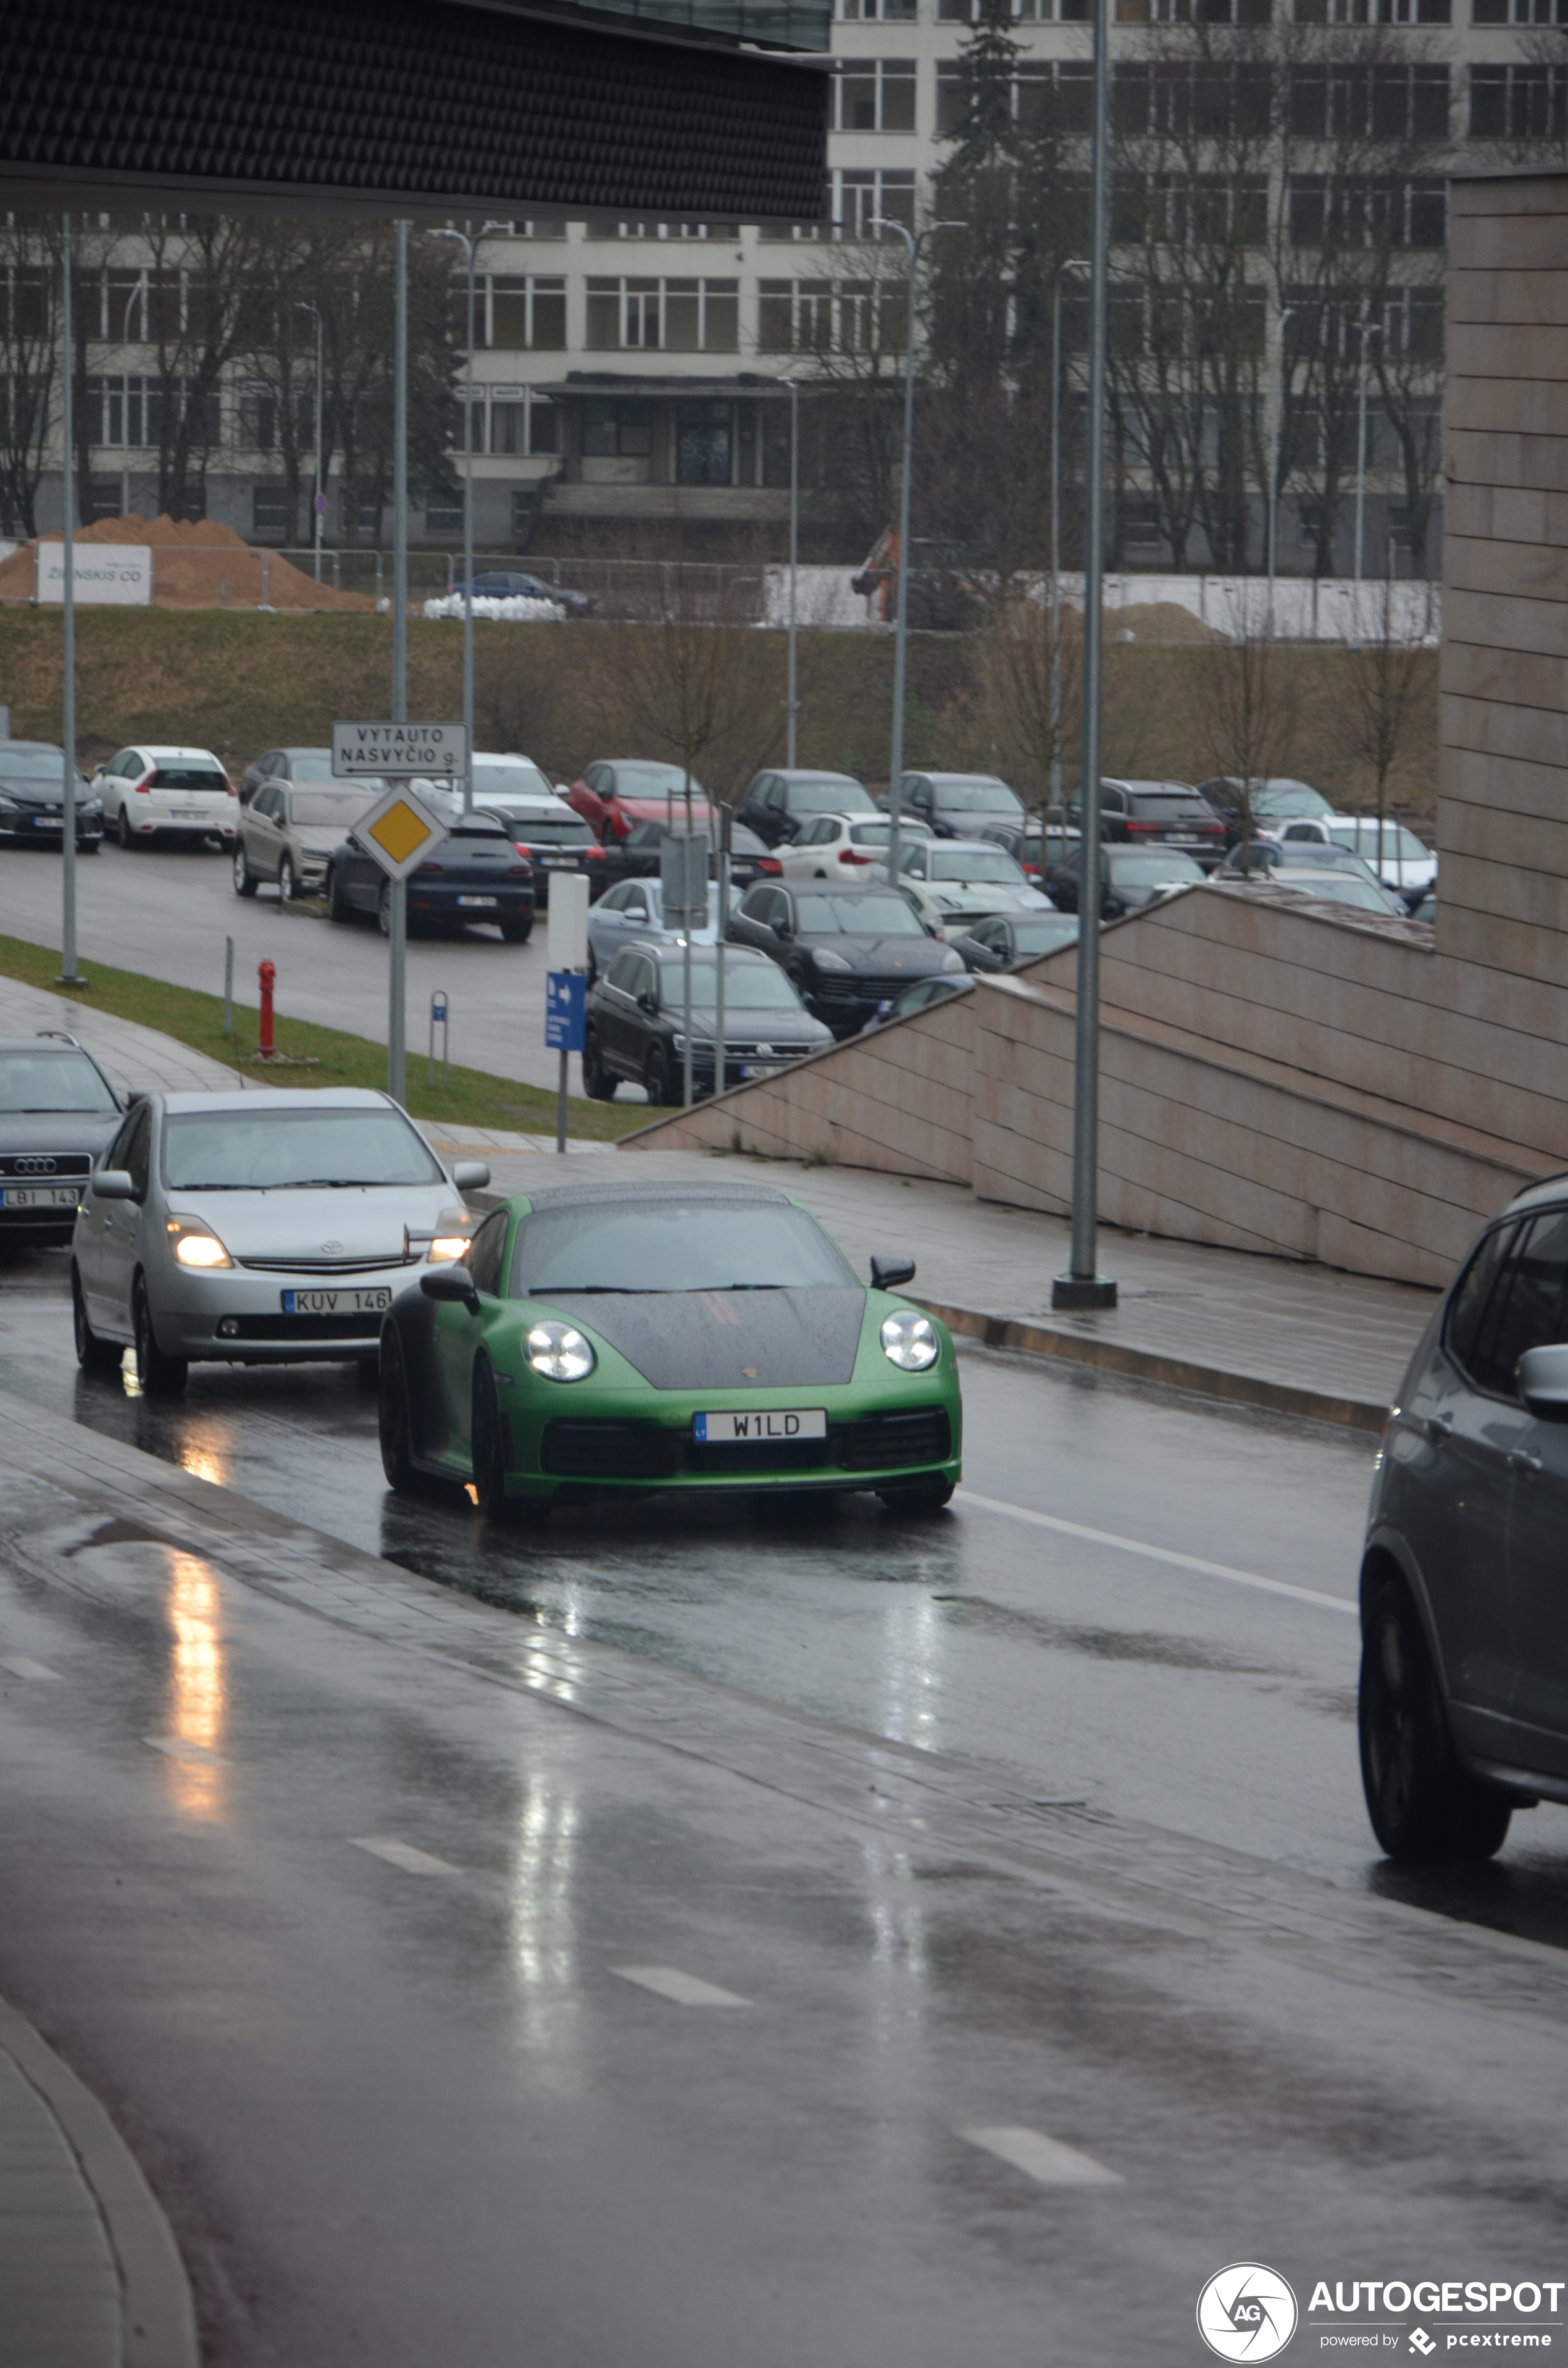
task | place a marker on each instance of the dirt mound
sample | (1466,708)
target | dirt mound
(1159,621)
(197,563)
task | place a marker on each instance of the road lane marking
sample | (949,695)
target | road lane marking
(20,1666)
(1157,1554)
(669,1981)
(403,1854)
(174,1747)
(1043,2158)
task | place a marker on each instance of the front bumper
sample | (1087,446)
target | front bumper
(430,904)
(22,829)
(236,1315)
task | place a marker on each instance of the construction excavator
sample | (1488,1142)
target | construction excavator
(944,596)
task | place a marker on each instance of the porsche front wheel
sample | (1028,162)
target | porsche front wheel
(396,1431)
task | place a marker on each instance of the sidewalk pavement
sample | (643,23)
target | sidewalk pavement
(133,1055)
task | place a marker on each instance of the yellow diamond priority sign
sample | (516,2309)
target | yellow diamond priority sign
(400,832)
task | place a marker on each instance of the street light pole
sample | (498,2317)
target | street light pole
(1082,1285)
(791,704)
(1277,407)
(1074,262)
(140,290)
(68,971)
(400,483)
(469,246)
(914,241)
(1363,329)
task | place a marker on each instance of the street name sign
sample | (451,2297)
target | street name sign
(400,832)
(440,751)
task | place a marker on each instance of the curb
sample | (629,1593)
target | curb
(158,2315)
(1157,1365)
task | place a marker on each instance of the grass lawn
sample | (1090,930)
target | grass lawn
(470,1099)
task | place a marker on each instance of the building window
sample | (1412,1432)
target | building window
(705,436)
(523,313)
(269,512)
(616,431)
(1048,95)
(874,95)
(1518,12)
(258,417)
(876,12)
(443,514)
(26,307)
(822,316)
(540,226)
(1214,99)
(677,316)
(520,422)
(1382,102)
(1026,12)
(860,195)
(1366,212)
(1141,528)
(1519,102)
(1374,12)
(1188,12)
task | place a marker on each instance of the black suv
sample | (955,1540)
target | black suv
(1158,814)
(58,1113)
(849,951)
(635,1027)
(776,804)
(475,875)
(957,806)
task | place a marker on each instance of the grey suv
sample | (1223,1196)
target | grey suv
(1465,1664)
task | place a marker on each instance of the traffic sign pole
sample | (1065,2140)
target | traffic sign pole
(399,833)
(397,992)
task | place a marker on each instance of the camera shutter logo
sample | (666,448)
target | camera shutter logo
(1247,2312)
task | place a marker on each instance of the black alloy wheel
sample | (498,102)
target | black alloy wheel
(338,907)
(126,836)
(287,886)
(656,1081)
(393,1424)
(244,878)
(916,1500)
(598,1083)
(161,1376)
(1424,1804)
(94,1353)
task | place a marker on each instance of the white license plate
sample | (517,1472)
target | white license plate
(187,813)
(337,1303)
(763,1068)
(775,1422)
(40,1196)
(487,901)
(560,862)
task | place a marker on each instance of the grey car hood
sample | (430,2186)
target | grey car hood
(352,1220)
(916,957)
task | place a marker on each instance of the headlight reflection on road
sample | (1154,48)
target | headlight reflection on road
(198,1690)
(916,1642)
(544,1929)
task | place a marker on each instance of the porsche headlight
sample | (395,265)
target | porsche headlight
(952,958)
(559,1351)
(194,1244)
(826,958)
(909,1340)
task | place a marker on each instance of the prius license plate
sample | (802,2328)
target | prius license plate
(487,901)
(40,1196)
(337,1303)
(775,1422)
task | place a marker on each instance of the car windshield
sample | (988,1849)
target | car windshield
(1169,805)
(1041,936)
(748,987)
(987,863)
(1340,888)
(331,809)
(689,1243)
(1147,870)
(855,916)
(656,781)
(60,1080)
(258,1150)
(1398,844)
(1291,804)
(983,794)
(497,777)
(314,765)
(187,777)
(1312,858)
(832,794)
(32,764)
(546,830)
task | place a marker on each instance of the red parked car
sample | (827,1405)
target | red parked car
(617,792)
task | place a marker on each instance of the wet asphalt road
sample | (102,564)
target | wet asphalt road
(405,2113)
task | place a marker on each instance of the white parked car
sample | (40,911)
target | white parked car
(954,883)
(843,846)
(257,1228)
(633,914)
(158,792)
(1400,861)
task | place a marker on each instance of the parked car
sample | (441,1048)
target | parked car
(1463,1709)
(1131,877)
(292,836)
(1400,860)
(953,883)
(32,798)
(1273,804)
(257,1228)
(58,1114)
(301,768)
(547,1370)
(157,792)
(635,1027)
(1036,845)
(957,806)
(614,793)
(511,584)
(849,951)
(1428,909)
(551,835)
(919,997)
(1158,814)
(1012,940)
(842,845)
(1274,857)
(633,914)
(637,856)
(777,805)
(476,874)
(1341,888)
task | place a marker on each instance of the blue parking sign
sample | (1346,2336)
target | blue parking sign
(565,1004)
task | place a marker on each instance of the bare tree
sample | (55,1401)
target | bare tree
(1248,688)
(1028,675)
(1387,674)
(29,361)
(205,289)
(690,679)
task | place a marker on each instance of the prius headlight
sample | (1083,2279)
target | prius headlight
(909,1340)
(559,1351)
(452,1237)
(195,1243)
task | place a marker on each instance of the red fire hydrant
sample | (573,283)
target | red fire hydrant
(266,973)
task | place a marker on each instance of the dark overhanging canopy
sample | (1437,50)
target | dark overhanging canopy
(670,108)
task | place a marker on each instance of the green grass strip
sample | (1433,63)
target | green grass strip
(471,1098)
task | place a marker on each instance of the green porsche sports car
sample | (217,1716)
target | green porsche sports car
(618,1339)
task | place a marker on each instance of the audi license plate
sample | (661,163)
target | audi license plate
(489,902)
(40,1196)
(776,1422)
(337,1303)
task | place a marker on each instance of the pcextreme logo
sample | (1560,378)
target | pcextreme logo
(1247,2312)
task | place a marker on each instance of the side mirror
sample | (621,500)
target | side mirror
(782,931)
(648,1002)
(891,1273)
(115,1184)
(451,1285)
(470,1175)
(1543,1382)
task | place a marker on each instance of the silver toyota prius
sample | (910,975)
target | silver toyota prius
(257,1228)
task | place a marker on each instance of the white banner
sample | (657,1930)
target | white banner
(116,573)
